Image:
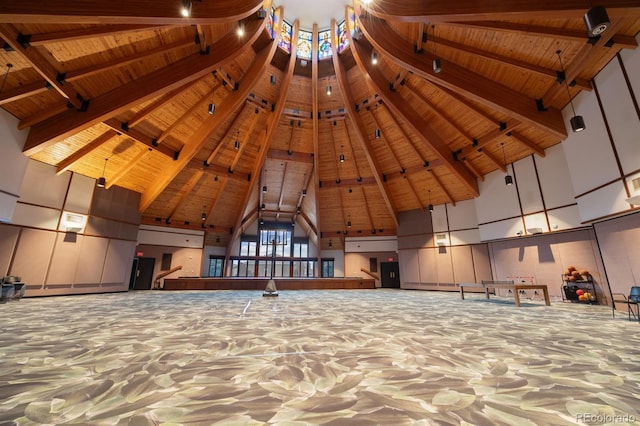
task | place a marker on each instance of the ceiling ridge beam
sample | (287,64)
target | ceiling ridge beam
(460,80)
(113,12)
(121,99)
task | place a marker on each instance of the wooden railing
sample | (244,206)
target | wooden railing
(156,281)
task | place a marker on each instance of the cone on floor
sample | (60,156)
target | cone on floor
(271,290)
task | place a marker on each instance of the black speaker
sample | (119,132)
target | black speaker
(597,21)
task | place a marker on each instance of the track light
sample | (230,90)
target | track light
(597,21)
(102,180)
(374,58)
(577,122)
(377,134)
(185,10)
(328,90)
(212,108)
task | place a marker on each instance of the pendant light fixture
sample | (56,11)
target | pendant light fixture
(374,58)
(577,122)
(204,213)
(342,158)
(330,243)
(349,222)
(273,80)
(6,74)
(264,187)
(437,64)
(102,180)
(236,145)
(596,20)
(329,90)
(430,205)
(377,134)
(508,179)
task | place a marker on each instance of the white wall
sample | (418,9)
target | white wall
(13,164)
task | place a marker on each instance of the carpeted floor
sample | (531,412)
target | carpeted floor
(378,357)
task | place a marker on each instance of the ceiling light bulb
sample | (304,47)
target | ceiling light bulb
(240,30)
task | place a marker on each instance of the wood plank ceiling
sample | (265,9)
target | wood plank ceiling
(125,94)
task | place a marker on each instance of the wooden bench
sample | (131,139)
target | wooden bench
(486,285)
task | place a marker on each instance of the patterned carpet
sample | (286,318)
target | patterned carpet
(340,357)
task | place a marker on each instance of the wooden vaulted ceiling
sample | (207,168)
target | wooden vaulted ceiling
(124,93)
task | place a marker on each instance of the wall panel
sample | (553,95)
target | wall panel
(461,216)
(36,216)
(32,256)
(118,262)
(528,188)
(496,201)
(42,187)
(8,240)
(80,193)
(94,251)
(464,271)
(555,179)
(65,259)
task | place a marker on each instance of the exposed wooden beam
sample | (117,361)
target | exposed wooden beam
(297,157)
(473,170)
(442,188)
(142,12)
(24,91)
(211,123)
(41,116)
(145,112)
(508,61)
(487,138)
(361,131)
(272,118)
(71,160)
(139,136)
(121,99)
(43,65)
(494,160)
(461,80)
(244,143)
(236,124)
(186,191)
(531,145)
(122,171)
(400,107)
(89,32)
(447,10)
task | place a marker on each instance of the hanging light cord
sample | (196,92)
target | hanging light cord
(104,168)
(566,85)
(504,156)
(6,74)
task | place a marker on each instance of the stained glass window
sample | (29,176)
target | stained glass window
(342,36)
(270,23)
(285,37)
(324,44)
(304,44)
